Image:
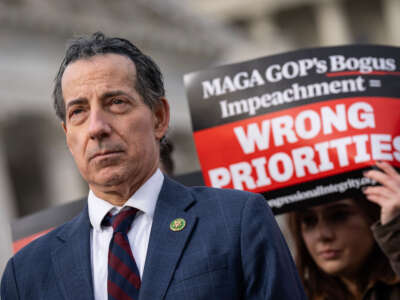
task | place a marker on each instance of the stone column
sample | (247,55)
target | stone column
(391,10)
(63,180)
(262,28)
(265,40)
(7,210)
(331,23)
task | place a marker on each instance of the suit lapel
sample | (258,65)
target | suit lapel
(166,246)
(71,259)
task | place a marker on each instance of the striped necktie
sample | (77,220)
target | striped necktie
(123,275)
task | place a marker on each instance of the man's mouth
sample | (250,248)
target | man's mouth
(105,154)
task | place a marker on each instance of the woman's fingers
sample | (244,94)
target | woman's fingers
(389,181)
(376,199)
(387,196)
(388,169)
(378,191)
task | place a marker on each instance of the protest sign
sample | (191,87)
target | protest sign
(298,127)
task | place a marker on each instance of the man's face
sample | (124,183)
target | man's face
(112,135)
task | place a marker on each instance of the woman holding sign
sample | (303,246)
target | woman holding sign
(350,248)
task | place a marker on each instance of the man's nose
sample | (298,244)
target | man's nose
(99,126)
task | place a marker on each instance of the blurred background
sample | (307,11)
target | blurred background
(36,169)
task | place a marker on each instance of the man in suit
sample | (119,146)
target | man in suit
(183,243)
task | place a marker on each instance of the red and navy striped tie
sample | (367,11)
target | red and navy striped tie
(123,275)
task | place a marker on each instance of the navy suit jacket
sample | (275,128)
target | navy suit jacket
(231,248)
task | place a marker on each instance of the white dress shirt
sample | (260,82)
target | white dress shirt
(144,200)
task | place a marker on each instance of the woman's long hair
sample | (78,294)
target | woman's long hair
(318,284)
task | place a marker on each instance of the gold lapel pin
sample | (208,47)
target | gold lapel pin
(177,224)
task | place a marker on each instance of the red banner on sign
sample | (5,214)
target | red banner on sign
(300,144)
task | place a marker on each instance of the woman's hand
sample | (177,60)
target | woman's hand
(386,196)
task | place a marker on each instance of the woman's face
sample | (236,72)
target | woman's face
(337,237)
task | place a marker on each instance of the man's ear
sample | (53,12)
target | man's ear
(64,126)
(161,114)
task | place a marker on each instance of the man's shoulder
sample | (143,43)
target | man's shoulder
(211,191)
(223,193)
(226,198)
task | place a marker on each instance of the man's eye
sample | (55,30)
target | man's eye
(117,101)
(76,111)
(118,105)
(76,115)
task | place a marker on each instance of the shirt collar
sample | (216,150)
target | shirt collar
(144,199)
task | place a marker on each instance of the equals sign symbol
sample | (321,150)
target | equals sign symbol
(375,83)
